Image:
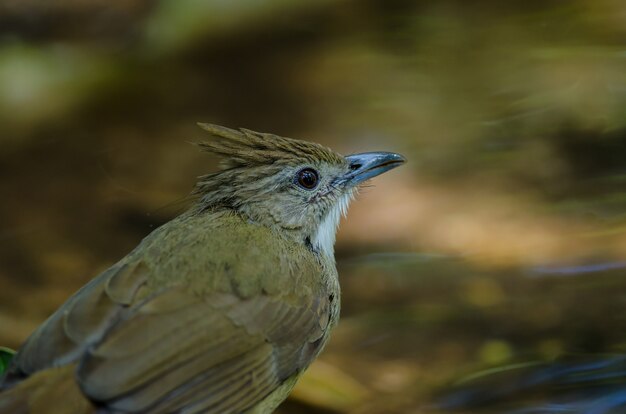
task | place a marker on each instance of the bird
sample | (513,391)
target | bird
(219,310)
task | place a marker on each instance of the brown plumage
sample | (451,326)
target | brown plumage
(219,310)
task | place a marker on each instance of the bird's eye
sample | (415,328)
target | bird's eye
(307,178)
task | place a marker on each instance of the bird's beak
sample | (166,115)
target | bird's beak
(370,164)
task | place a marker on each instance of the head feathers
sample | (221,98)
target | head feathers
(248,158)
(246,148)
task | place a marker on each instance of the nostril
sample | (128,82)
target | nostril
(355,167)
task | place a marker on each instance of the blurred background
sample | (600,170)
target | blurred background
(501,242)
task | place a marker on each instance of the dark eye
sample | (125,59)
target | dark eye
(307,178)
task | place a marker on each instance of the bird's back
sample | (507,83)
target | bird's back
(206,305)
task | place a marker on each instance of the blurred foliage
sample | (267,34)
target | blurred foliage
(512,115)
(6,355)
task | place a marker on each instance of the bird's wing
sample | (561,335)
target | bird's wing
(172,350)
(81,321)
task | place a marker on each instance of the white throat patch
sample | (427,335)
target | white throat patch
(324,239)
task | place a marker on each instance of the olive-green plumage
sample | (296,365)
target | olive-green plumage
(219,310)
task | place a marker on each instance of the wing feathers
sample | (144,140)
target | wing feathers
(175,351)
(122,287)
(177,348)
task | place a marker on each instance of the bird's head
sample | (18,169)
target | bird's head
(298,187)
